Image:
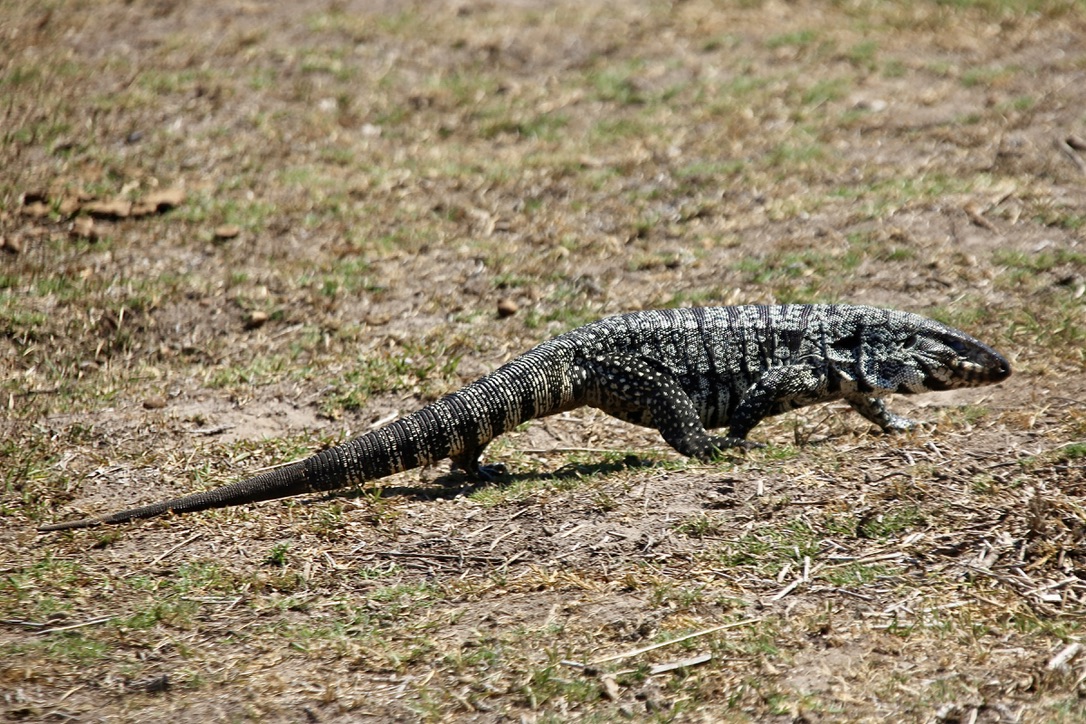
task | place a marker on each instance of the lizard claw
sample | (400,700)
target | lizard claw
(490,473)
(721,443)
(486,473)
(740,443)
(897,424)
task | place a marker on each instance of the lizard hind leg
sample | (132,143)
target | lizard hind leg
(468,462)
(634,390)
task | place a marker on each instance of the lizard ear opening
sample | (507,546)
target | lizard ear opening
(847,344)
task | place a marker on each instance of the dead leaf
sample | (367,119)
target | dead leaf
(158,202)
(12,245)
(610,687)
(83,228)
(69,205)
(507,308)
(36,209)
(976,215)
(116,209)
(256,319)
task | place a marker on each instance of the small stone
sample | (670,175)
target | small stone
(256,319)
(874,105)
(156,685)
(154,402)
(507,308)
(227,231)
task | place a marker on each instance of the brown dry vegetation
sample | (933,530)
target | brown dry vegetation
(235,232)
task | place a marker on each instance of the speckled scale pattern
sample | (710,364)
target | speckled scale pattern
(681,371)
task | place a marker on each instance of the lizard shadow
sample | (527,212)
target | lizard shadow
(454,484)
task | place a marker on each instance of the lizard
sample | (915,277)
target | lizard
(683,371)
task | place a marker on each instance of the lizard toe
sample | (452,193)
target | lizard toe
(721,443)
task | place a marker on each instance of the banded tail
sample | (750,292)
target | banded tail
(457,426)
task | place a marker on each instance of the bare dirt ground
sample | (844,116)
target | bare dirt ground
(233,233)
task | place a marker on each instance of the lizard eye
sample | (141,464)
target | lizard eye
(957,345)
(909,342)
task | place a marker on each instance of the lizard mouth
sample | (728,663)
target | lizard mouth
(994,369)
(966,374)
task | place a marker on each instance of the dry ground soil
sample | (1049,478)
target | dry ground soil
(233,233)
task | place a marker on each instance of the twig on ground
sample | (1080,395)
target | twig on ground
(21,622)
(976,215)
(69,627)
(1065,655)
(680,664)
(503,536)
(213,430)
(177,547)
(437,556)
(869,559)
(515,557)
(786,590)
(705,632)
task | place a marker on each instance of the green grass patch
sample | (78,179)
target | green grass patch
(796,39)
(891,524)
(701,526)
(413,366)
(619,84)
(545,126)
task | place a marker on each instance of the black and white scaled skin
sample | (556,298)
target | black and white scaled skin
(683,372)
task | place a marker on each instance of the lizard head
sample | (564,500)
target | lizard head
(930,356)
(950,358)
(907,353)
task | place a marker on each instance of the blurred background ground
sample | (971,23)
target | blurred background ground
(233,233)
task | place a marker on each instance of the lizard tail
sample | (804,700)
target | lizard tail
(278,483)
(458,426)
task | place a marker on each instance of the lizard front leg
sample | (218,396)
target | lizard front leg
(875,410)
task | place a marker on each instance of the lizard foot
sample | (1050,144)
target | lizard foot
(725,442)
(718,444)
(484,473)
(897,423)
(490,473)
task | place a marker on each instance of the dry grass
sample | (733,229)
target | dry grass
(235,233)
